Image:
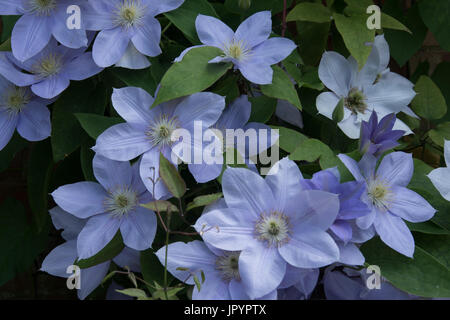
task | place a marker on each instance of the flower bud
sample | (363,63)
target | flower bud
(244,4)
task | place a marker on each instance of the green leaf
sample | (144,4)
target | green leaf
(110,251)
(389,22)
(289,139)
(356,35)
(6,46)
(429,103)
(262,109)
(315,35)
(281,88)
(152,269)
(15,145)
(80,97)
(436,245)
(435,14)
(161,206)
(428,227)
(424,275)
(184,17)
(8,23)
(440,77)
(86,157)
(134,292)
(338,112)
(440,133)
(171,177)
(192,74)
(202,201)
(227,88)
(137,78)
(38,178)
(307,11)
(95,124)
(20,243)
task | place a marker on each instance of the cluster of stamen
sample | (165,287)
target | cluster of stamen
(129,13)
(273,229)
(380,194)
(16,98)
(237,50)
(161,130)
(121,201)
(355,101)
(48,66)
(41,7)
(228,266)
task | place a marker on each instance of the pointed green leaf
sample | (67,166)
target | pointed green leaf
(307,11)
(161,206)
(95,124)
(282,88)
(338,112)
(110,251)
(429,103)
(171,178)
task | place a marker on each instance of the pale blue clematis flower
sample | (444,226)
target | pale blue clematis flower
(65,255)
(111,205)
(249,48)
(128,29)
(21,109)
(440,177)
(148,132)
(362,92)
(49,73)
(40,19)
(221,270)
(298,283)
(389,199)
(273,222)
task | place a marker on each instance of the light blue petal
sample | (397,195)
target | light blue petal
(111,174)
(410,206)
(255,29)
(110,46)
(34,122)
(57,261)
(133,104)
(82,67)
(335,73)
(70,224)
(396,169)
(91,278)
(138,229)
(147,37)
(8,125)
(213,32)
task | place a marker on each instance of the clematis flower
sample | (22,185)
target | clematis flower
(21,109)
(350,284)
(378,137)
(40,19)
(350,208)
(111,205)
(289,113)
(273,222)
(361,92)
(249,48)
(65,255)
(148,132)
(389,199)
(128,30)
(49,73)
(221,270)
(440,177)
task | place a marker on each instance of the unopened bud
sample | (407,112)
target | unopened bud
(245,4)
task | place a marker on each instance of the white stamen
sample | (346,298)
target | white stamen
(237,50)
(121,201)
(16,98)
(48,66)
(129,13)
(228,266)
(40,7)
(160,131)
(379,194)
(273,229)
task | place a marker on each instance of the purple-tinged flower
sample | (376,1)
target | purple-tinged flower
(286,111)
(111,205)
(40,20)
(274,223)
(298,283)
(378,137)
(49,72)
(361,92)
(21,109)
(440,177)
(389,199)
(350,284)
(148,132)
(65,255)
(128,30)
(249,48)
(221,269)
(350,208)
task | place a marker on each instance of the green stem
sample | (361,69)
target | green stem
(167,251)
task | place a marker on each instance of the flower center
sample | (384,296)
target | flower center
(379,194)
(237,50)
(228,266)
(129,13)
(160,131)
(355,101)
(48,66)
(17,98)
(121,201)
(273,229)
(41,7)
